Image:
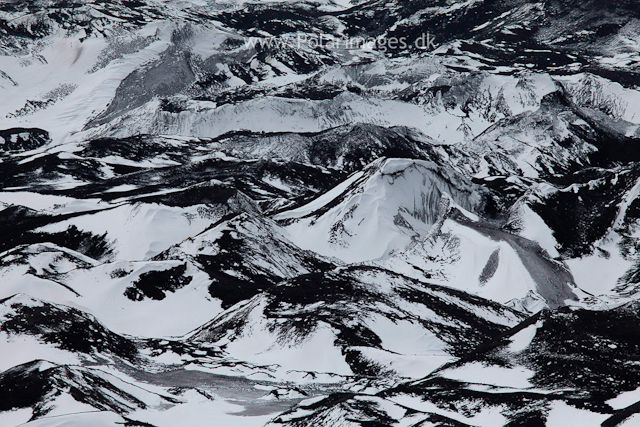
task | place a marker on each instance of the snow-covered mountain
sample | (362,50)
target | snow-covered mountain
(379,210)
(272,213)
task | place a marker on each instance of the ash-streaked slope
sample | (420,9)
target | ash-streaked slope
(246,254)
(356,321)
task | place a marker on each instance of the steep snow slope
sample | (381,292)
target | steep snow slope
(379,210)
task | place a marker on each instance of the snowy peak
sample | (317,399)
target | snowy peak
(389,204)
